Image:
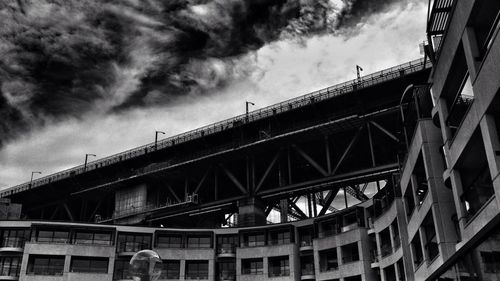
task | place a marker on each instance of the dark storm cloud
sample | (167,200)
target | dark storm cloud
(64,58)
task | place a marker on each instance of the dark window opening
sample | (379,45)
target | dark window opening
(45,265)
(52,236)
(93,238)
(227,270)
(14,238)
(401,270)
(416,247)
(484,20)
(385,242)
(169,241)
(430,245)
(307,265)
(420,180)
(121,269)
(133,242)
(350,253)
(227,244)
(475,176)
(196,269)
(328,260)
(409,200)
(89,265)
(199,241)
(305,237)
(252,266)
(170,269)
(279,266)
(10,266)
(390,273)
(396,240)
(279,237)
(253,239)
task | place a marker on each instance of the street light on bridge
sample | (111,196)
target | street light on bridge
(156,138)
(247,103)
(86,160)
(31,180)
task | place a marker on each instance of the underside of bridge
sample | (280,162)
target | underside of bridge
(306,161)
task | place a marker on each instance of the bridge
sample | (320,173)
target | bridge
(341,141)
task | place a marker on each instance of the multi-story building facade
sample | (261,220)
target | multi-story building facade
(437,216)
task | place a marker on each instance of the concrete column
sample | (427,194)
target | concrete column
(182,272)
(457,189)
(491,144)
(379,248)
(391,235)
(471,51)
(251,212)
(443,115)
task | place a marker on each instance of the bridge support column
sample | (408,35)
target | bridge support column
(251,211)
(284,210)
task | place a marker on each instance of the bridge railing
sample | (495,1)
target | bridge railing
(320,95)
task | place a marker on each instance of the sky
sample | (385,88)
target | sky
(100,77)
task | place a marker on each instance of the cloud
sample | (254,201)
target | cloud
(275,72)
(67,59)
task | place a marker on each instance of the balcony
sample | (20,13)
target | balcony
(226,251)
(306,245)
(12,244)
(227,276)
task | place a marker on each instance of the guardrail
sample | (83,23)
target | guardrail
(298,102)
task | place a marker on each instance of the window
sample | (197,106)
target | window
(279,237)
(416,247)
(350,253)
(10,266)
(409,200)
(279,266)
(226,244)
(491,261)
(133,242)
(395,231)
(329,228)
(93,238)
(196,269)
(169,241)
(252,266)
(171,269)
(328,260)
(484,20)
(45,265)
(401,270)
(420,180)
(431,245)
(89,265)
(14,238)
(385,242)
(52,236)
(307,265)
(475,176)
(199,241)
(254,239)
(121,269)
(227,270)
(305,237)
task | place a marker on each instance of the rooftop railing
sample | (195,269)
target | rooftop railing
(285,106)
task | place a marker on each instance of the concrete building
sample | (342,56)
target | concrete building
(413,151)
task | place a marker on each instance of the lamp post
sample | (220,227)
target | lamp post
(31,180)
(247,103)
(156,138)
(358,70)
(86,160)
